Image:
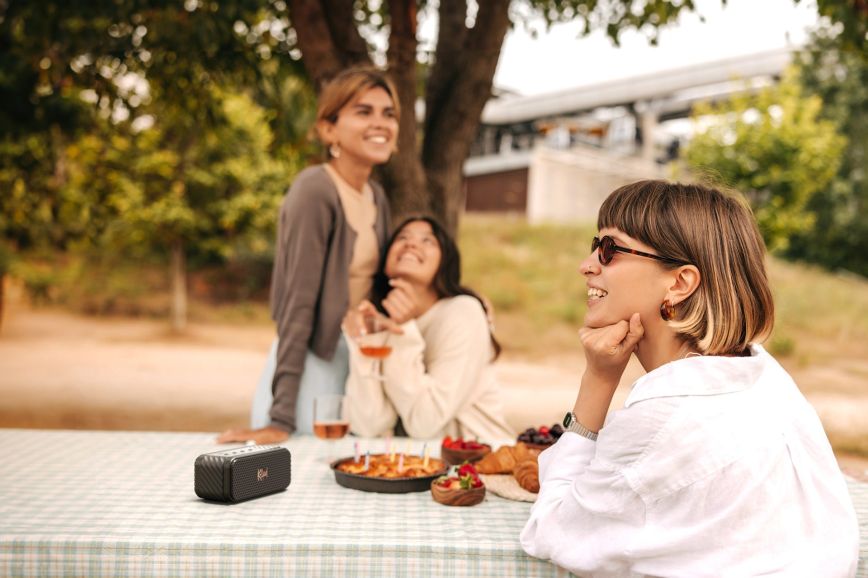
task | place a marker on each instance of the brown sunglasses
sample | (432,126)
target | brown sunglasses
(607,248)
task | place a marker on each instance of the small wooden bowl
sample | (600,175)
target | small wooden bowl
(455,457)
(457,496)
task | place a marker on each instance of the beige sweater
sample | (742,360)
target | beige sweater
(439,379)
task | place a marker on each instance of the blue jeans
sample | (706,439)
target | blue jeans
(319,377)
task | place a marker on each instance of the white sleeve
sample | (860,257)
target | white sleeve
(586,517)
(458,349)
(366,406)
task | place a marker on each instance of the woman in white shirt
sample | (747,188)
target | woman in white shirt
(438,379)
(716,465)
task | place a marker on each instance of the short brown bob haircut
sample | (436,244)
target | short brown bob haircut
(349,84)
(716,232)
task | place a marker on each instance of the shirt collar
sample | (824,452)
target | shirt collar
(701,375)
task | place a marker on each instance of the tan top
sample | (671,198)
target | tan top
(439,379)
(361,215)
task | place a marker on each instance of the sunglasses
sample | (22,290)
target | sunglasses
(607,248)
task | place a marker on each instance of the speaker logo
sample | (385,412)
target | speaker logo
(261,474)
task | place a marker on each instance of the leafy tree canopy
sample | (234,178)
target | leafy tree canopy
(773,146)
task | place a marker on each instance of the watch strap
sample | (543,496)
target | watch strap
(572,424)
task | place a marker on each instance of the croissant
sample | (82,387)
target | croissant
(527,475)
(504,459)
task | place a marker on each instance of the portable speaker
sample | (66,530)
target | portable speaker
(242,473)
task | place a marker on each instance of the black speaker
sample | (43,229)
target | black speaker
(242,473)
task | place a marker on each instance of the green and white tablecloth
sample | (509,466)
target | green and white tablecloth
(76,503)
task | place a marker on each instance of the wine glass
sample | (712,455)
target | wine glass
(329,422)
(374,343)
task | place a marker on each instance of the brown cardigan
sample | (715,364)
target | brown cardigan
(310,280)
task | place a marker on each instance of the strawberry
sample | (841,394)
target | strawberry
(467,470)
(543,430)
(447,442)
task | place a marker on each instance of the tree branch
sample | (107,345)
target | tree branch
(327,36)
(352,48)
(450,42)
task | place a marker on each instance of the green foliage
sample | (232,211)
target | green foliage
(217,190)
(772,146)
(838,75)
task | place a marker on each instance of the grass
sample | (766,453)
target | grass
(530,274)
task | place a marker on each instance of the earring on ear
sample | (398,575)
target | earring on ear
(667,311)
(335,150)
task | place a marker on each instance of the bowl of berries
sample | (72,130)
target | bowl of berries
(464,488)
(543,437)
(457,451)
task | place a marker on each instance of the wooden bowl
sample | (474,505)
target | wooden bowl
(455,457)
(457,496)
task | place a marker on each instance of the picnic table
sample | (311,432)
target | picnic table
(101,503)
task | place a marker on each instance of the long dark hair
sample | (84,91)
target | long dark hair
(447,280)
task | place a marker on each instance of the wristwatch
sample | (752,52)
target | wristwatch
(572,424)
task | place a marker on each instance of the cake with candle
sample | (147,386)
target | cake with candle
(391,466)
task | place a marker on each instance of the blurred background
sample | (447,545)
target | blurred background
(145,147)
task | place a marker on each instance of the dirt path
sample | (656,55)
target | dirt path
(59,370)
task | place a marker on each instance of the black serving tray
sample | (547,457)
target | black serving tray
(384,485)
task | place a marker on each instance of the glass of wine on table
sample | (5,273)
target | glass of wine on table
(329,422)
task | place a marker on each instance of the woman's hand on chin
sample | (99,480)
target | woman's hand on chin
(608,349)
(403,302)
(266,435)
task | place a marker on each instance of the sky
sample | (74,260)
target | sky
(741,27)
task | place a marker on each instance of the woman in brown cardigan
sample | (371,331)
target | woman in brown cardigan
(333,225)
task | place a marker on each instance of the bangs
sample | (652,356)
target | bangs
(644,211)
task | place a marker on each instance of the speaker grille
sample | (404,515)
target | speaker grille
(260,474)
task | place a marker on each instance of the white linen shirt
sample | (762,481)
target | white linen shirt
(716,466)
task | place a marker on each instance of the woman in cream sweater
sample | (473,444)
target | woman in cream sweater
(438,379)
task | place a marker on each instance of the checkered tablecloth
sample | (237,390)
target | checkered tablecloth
(120,504)
(76,503)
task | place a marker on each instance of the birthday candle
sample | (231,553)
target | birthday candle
(388,444)
(401,463)
(356,449)
(392,456)
(425,453)
(367,460)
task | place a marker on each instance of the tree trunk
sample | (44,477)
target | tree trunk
(461,85)
(178,278)
(2,296)
(404,177)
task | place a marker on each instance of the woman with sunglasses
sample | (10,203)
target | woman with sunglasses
(716,465)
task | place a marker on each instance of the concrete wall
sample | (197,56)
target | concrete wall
(568,186)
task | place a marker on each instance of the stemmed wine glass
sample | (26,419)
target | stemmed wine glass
(329,422)
(374,343)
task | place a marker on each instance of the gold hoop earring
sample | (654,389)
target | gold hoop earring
(667,311)
(335,151)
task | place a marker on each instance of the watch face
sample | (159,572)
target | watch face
(568,419)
